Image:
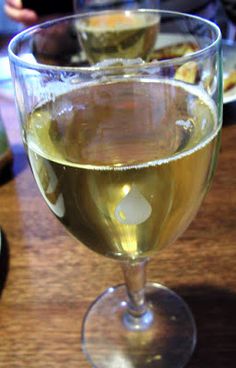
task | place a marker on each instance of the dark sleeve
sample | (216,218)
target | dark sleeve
(49,7)
(230,9)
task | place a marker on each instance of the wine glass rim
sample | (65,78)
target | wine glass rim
(98,67)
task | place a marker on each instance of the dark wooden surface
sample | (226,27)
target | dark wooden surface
(48,280)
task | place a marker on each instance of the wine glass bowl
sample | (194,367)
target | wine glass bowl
(123,148)
(98,5)
(118,34)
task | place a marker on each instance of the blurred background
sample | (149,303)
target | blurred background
(7,26)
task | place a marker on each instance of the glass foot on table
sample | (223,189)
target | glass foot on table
(168,342)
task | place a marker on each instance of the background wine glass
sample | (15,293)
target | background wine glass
(100,40)
(119,34)
(123,153)
(99,5)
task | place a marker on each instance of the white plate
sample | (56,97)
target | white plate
(229,64)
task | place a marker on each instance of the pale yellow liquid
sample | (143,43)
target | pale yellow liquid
(118,35)
(125,165)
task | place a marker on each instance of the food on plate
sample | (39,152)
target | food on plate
(173,51)
(230,81)
(188,72)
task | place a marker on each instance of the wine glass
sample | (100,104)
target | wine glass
(123,149)
(99,5)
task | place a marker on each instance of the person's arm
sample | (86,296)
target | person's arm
(32,11)
(15,10)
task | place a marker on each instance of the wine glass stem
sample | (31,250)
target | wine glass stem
(138,316)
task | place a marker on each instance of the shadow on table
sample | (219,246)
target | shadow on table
(229,113)
(16,167)
(214,310)
(20,159)
(4,261)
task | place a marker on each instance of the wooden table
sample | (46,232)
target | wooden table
(50,280)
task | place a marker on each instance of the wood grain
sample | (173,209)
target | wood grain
(51,280)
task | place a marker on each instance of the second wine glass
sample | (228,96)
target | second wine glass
(99,5)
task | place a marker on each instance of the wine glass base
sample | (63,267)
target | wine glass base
(167,343)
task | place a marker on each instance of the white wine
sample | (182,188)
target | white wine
(124,165)
(118,35)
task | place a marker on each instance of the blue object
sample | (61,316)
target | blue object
(7,26)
